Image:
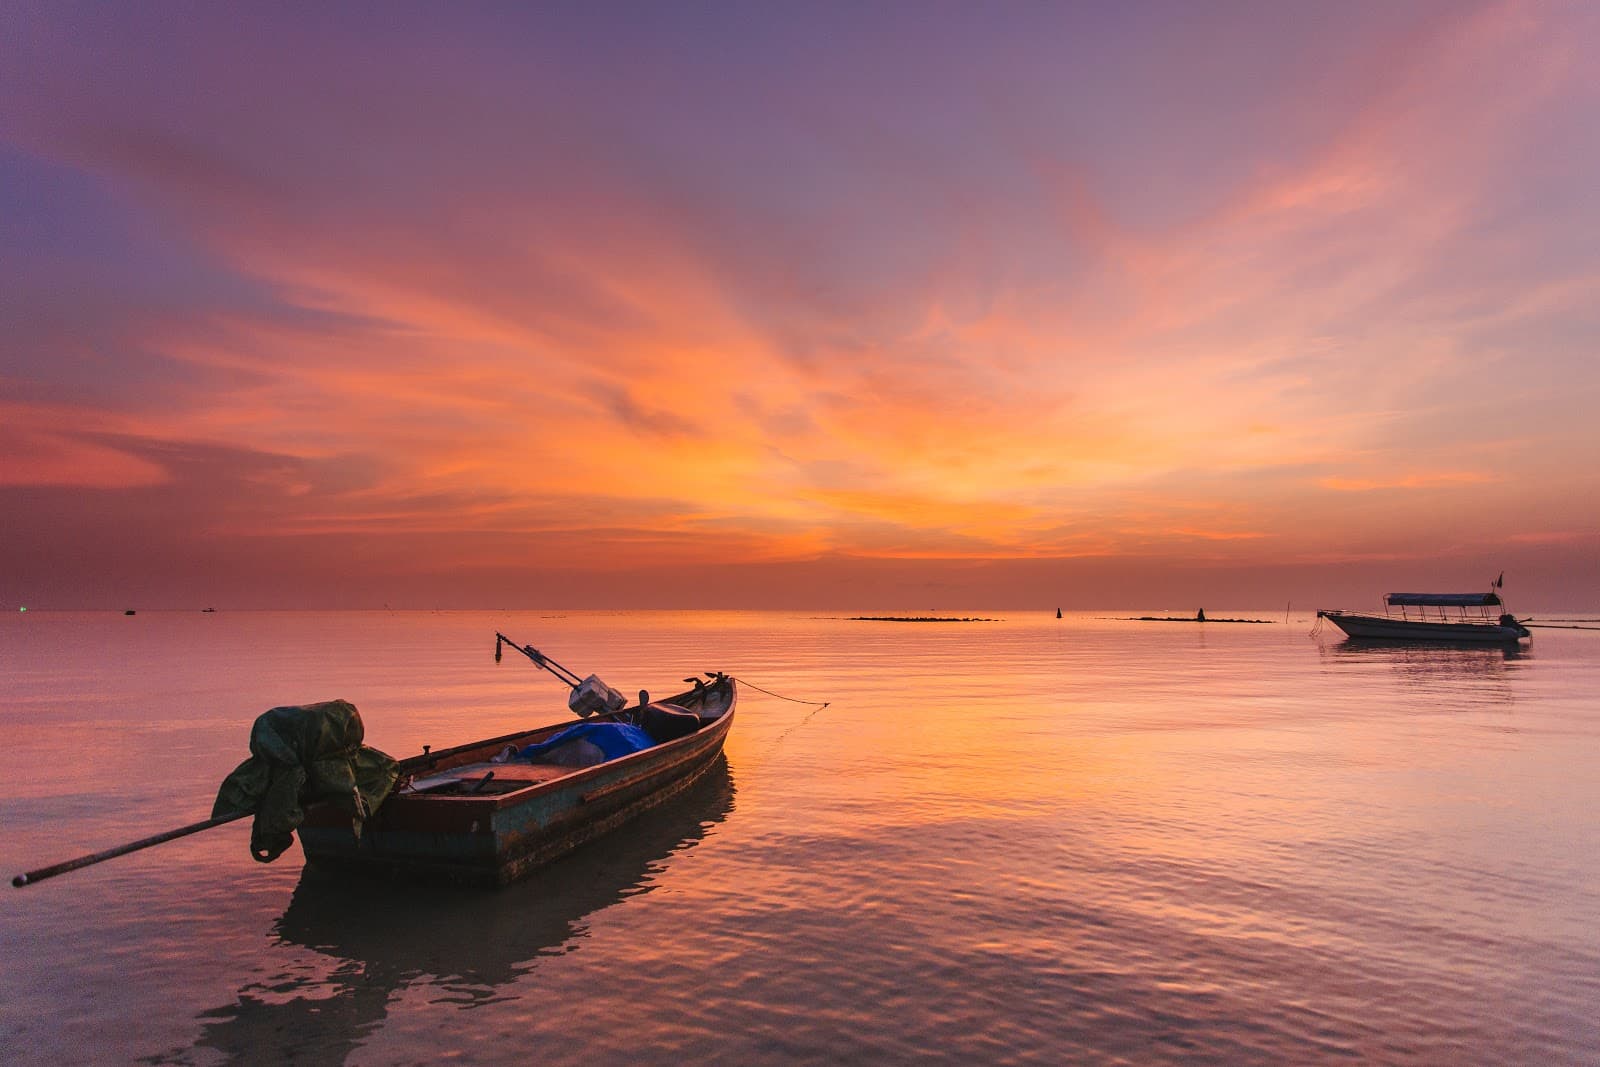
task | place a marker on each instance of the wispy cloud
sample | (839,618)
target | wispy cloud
(1433,480)
(1294,290)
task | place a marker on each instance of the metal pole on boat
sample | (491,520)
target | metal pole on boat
(122,850)
(539,659)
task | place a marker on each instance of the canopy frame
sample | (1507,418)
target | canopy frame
(1443,600)
(1461,606)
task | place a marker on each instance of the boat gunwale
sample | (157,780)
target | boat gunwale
(1400,620)
(1482,629)
(644,762)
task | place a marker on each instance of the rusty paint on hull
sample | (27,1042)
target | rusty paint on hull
(497,839)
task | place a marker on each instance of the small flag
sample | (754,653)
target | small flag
(1500,581)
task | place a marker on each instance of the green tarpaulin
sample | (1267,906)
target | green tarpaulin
(302,754)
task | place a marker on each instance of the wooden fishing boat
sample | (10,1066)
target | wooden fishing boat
(467,814)
(1466,617)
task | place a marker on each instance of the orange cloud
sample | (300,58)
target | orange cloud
(1435,480)
(40,459)
(54,445)
(622,356)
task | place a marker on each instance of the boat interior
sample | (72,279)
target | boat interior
(492,768)
(486,778)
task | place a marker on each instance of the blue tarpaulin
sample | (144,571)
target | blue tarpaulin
(613,739)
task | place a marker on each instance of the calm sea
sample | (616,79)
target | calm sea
(1023,840)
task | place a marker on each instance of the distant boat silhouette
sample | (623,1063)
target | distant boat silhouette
(130,611)
(1058,613)
(1472,618)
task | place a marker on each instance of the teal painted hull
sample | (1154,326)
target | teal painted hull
(497,838)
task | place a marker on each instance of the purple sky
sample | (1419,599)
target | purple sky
(805,305)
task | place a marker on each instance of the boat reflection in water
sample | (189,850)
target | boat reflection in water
(1440,655)
(389,937)
(1469,675)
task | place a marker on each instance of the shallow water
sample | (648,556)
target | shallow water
(1026,840)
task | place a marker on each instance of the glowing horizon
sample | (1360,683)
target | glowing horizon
(797,306)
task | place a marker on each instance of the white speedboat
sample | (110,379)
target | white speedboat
(1476,617)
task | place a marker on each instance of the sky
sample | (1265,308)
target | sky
(798,305)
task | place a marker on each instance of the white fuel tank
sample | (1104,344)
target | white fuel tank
(592,695)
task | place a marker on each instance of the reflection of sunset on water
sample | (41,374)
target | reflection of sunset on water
(998,839)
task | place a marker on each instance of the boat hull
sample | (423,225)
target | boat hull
(1385,628)
(497,839)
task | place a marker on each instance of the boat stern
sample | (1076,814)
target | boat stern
(1510,622)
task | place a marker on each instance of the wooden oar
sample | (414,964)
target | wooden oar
(122,850)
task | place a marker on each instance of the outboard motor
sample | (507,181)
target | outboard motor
(1509,621)
(592,695)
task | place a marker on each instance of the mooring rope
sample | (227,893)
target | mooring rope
(820,703)
(817,705)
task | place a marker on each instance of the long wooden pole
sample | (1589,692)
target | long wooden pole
(426,759)
(122,850)
(410,763)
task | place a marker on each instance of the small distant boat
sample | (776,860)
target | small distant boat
(470,816)
(1474,617)
(130,611)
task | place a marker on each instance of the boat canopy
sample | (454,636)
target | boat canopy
(1443,600)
